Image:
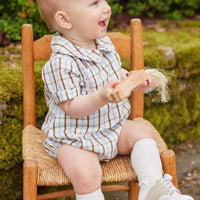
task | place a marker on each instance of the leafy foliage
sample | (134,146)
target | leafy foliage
(15,13)
(169,9)
(116,10)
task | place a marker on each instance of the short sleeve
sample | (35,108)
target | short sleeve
(61,80)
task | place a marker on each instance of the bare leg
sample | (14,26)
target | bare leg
(131,133)
(139,140)
(81,167)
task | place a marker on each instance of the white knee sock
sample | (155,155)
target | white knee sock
(146,162)
(96,195)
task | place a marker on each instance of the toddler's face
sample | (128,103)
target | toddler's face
(89,18)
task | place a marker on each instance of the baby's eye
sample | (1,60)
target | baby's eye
(95,3)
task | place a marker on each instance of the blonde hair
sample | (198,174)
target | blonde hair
(48,9)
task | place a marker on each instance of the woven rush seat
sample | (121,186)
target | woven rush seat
(50,172)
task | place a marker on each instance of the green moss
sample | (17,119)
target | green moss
(177,120)
(154,58)
(188,23)
(126,63)
(11,183)
(10,149)
(11,129)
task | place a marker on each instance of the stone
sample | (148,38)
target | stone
(3,107)
(169,55)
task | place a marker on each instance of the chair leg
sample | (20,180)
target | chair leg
(30,180)
(133,190)
(169,165)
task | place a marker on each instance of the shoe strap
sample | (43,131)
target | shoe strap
(161,187)
(167,180)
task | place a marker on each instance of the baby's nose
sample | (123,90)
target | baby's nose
(107,8)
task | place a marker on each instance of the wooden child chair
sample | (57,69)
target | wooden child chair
(39,168)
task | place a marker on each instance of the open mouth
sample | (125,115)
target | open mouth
(103,23)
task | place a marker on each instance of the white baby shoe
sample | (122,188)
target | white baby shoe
(165,190)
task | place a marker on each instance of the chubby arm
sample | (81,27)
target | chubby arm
(84,105)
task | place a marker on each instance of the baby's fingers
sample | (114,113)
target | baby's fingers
(151,82)
(112,97)
(113,83)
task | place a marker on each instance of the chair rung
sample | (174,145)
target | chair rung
(110,188)
(65,193)
(59,194)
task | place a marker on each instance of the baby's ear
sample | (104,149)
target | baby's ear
(63,20)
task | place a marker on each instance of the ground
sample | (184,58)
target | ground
(188,170)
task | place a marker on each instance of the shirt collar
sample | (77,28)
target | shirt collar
(62,46)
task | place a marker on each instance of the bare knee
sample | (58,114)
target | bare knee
(131,133)
(87,179)
(81,167)
(145,131)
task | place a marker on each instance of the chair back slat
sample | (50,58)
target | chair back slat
(137,62)
(42,48)
(122,43)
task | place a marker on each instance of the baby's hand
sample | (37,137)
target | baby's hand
(106,91)
(136,80)
(149,82)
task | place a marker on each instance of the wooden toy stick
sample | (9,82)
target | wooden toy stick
(124,88)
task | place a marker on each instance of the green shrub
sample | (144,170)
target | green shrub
(169,9)
(15,13)
(116,10)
